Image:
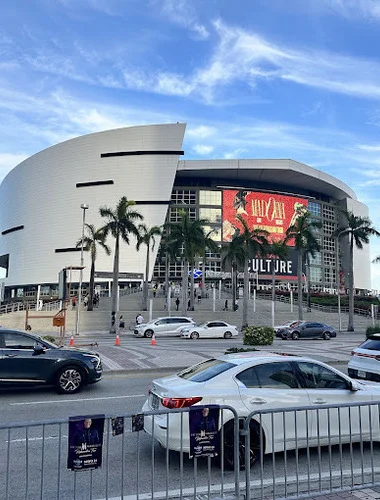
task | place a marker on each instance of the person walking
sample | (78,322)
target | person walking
(225,308)
(139,319)
(73,302)
(121,323)
(177,304)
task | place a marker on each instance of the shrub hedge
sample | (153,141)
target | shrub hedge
(372,329)
(258,335)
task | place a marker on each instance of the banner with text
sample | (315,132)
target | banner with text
(274,213)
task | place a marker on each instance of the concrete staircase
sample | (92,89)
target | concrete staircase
(98,320)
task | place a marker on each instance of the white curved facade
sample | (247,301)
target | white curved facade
(41,194)
(40,199)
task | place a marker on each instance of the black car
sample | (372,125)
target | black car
(309,329)
(27,359)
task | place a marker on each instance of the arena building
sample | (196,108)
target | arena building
(41,219)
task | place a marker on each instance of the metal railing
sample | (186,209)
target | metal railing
(300,451)
(22,306)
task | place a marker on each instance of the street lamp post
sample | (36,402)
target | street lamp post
(84,207)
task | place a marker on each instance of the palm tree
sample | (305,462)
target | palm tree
(209,244)
(166,253)
(90,241)
(121,223)
(302,234)
(310,252)
(358,231)
(147,237)
(233,256)
(253,242)
(276,251)
(186,239)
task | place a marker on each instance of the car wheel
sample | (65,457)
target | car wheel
(227,335)
(295,335)
(69,380)
(148,334)
(229,456)
(326,336)
(194,335)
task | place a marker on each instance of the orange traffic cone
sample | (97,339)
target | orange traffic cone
(117,340)
(71,344)
(153,340)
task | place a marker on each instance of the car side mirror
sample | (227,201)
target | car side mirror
(354,386)
(38,349)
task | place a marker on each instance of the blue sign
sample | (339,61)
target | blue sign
(197,273)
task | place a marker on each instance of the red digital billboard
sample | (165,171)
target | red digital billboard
(272,212)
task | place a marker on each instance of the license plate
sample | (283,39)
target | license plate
(362,374)
(154,402)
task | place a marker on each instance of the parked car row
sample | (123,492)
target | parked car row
(185,327)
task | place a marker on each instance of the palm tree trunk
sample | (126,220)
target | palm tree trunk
(233,284)
(299,284)
(192,286)
(185,280)
(115,286)
(90,305)
(308,284)
(203,274)
(246,294)
(145,289)
(273,288)
(351,300)
(167,265)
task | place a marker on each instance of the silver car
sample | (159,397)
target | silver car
(168,325)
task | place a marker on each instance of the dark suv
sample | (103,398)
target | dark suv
(27,359)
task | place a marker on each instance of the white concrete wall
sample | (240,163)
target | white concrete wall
(41,194)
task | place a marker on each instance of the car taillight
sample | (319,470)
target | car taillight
(175,403)
(353,353)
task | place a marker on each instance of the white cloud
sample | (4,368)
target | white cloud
(182,13)
(108,7)
(369,9)
(201,131)
(203,149)
(234,154)
(366,147)
(246,58)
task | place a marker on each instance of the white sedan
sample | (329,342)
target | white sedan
(365,359)
(210,329)
(261,381)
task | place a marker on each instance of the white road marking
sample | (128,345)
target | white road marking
(74,400)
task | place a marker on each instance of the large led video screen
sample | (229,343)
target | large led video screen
(273,212)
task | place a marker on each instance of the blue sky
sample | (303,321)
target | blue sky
(293,79)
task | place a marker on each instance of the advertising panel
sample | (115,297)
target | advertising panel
(203,429)
(85,442)
(274,213)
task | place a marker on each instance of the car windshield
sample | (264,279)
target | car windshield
(205,371)
(371,344)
